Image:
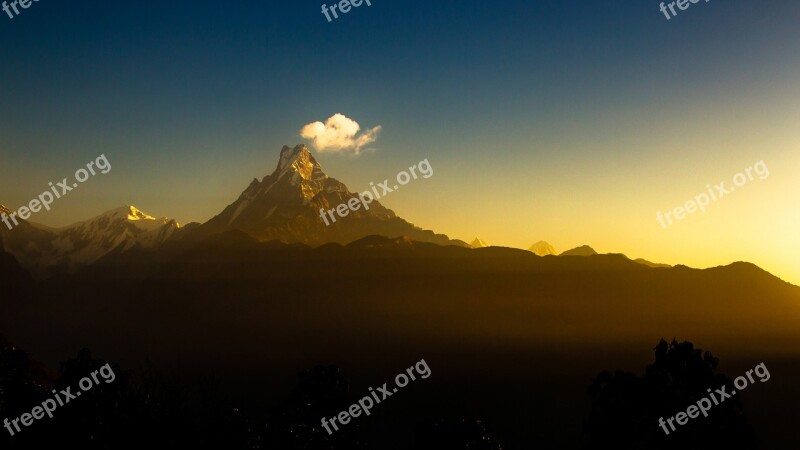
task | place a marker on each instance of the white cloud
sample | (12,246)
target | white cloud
(339,134)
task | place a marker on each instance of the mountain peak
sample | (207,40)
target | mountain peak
(286,206)
(583,250)
(542,248)
(289,154)
(43,250)
(299,167)
(131,212)
(299,160)
(135,216)
(478,243)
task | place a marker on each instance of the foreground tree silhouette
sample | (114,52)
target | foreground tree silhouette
(146,412)
(321,392)
(461,435)
(626,408)
(143,409)
(99,417)
(23,382)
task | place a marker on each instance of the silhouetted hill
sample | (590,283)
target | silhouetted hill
(231,303)
(588,294)
(650,264)
(583,250)
(46,251)
(14,280)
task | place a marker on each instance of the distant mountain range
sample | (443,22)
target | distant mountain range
(283,206)
(261,287)
(44,250)
(232,291)
(542,248)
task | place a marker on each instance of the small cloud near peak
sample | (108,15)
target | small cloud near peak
(339,134)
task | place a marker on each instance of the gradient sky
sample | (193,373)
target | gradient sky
(572,122)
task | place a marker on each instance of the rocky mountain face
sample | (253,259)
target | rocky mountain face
(286,204)
(43,250)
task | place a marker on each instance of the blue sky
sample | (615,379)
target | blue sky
(569,121)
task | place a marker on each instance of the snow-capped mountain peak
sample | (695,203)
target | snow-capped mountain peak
(118,230)
(478,243)
(132,213)
(300,163)
(542,248)
(135,217)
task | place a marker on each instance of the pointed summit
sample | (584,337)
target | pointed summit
(478,243)
(135,216)
(542,248)
(129,212)
(286,204)
(299,160)
(296,167)
(289,153)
